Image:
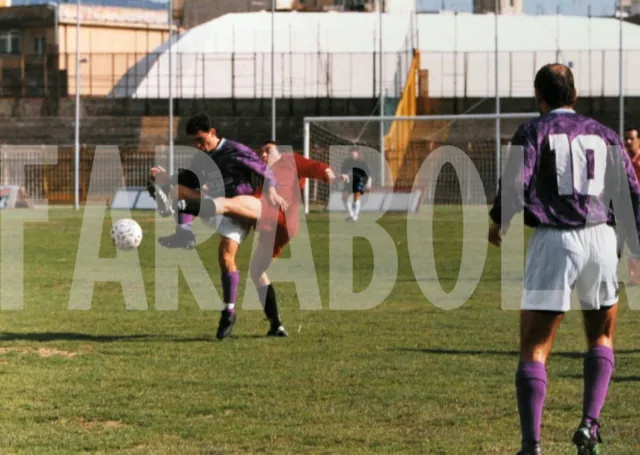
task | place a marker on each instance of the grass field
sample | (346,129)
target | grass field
(403,378)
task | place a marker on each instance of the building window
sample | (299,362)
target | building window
(39,45)
(10,42)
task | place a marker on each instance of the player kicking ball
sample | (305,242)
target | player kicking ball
(570,172)
(238,164)
(357,172)
(276,226)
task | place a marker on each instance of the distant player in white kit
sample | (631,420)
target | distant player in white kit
(573,168)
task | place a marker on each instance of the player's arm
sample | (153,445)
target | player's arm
(513,185)
(345,170)
(312,169)
(346,167)
(246,158)
(366,170)
(367,175)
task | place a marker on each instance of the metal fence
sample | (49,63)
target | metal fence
(55,182)
(305,75)
(204,75)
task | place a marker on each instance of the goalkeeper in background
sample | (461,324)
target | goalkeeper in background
(357,173)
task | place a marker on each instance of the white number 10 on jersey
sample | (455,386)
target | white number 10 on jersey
(572,164)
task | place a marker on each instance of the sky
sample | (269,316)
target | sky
(533,7)
(131,3)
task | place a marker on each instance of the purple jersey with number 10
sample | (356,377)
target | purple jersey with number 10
(572,171)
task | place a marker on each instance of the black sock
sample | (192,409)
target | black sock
(268,299)
(205,208)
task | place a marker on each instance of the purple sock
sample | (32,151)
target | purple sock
(230,282)
(531,389)
(598,368)
(184,219)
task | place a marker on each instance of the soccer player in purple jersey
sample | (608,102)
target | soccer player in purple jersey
(565,173)
(238,164)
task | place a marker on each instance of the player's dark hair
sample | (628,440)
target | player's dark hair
(556,86)
(200,122)
(269,142)
(630,129)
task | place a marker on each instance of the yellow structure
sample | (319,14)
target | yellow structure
(397,140)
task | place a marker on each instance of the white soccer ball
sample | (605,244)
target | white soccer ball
(126,234)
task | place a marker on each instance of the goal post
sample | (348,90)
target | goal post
(407,144)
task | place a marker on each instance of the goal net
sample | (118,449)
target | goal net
(425,157)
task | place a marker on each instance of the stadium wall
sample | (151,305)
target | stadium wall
(121,121)
(131,122)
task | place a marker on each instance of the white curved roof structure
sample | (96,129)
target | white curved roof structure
(336,55)
(317,55)
(475,33)
(464,45)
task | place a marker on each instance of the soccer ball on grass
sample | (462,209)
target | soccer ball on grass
(126,234)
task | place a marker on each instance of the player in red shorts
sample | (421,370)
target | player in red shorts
(632,146)
(276,227)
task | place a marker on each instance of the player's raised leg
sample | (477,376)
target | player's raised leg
(242,208)
(537,332)
(245,209)
(183,237)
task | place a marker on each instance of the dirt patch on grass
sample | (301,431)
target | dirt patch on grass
(42,352)
(101,424)
(46,352)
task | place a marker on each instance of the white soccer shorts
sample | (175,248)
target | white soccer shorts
(231,228)
(559,261)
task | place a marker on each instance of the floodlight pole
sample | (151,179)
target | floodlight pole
(497,88)
(380,77)
(589,47)
(76,170)
(273,70)
(621,72)
(171,132)
(307,154)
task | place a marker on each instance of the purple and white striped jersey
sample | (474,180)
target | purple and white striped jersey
(238,165)
(568,171)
